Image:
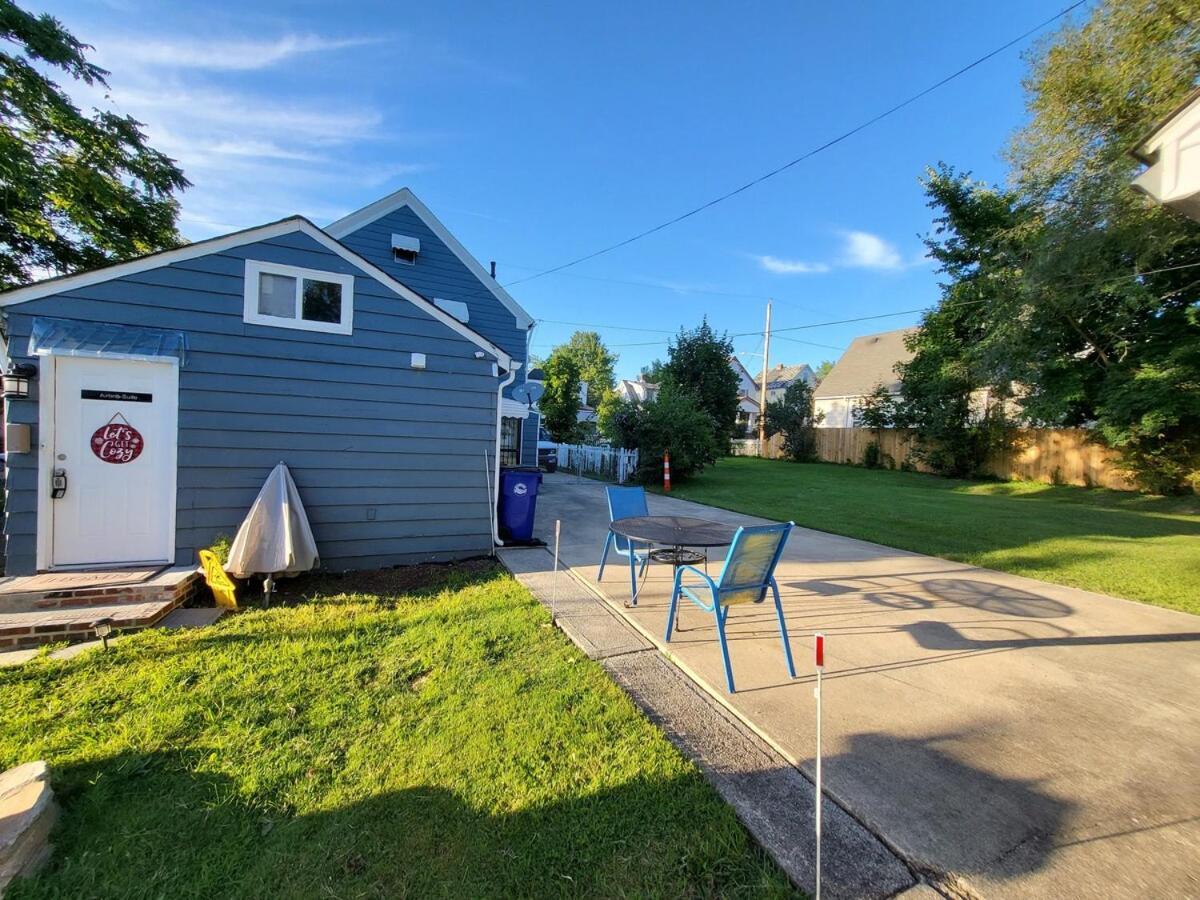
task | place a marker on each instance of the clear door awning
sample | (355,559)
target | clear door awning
(69,337)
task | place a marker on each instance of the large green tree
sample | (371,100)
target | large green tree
(1068,286)
(78,190)
(596,364)
(559,404)
(698,365)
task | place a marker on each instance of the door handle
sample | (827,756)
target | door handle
(58,484)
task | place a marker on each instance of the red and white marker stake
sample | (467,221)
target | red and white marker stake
(820,661)
(667,471)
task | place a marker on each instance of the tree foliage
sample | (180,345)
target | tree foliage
(671,422)
(654,372)
(560,399)
(698,365)
(792,416)
(1066,288)
(821,371)
(78,190)
(596,364)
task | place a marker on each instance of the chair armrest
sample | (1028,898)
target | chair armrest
(704,575)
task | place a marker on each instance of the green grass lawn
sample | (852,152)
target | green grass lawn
(1129,545)
(401,740)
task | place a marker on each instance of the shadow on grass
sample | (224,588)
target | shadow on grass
(160,824)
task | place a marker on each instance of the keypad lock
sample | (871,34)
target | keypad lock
(58,484)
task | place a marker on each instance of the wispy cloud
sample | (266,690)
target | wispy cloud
(859,250)
(253,152)
(217,55)
(791,266)
(864,250)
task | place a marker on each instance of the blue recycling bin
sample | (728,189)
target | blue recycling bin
(518,501)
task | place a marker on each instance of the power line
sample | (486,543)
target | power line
(675,289)
(813,152)
(612,327)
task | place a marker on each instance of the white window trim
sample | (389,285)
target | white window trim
(251,315)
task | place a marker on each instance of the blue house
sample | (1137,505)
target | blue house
(376,357)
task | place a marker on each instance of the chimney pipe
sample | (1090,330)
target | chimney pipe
(493,268)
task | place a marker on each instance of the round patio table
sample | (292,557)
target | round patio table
(674,535)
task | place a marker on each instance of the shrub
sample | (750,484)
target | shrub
(793,417)
(871,457)
(673,422)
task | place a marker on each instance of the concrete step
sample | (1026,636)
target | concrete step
(28,812)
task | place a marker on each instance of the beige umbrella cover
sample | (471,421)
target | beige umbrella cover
(275,538)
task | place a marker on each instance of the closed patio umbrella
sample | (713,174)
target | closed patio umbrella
(275,538)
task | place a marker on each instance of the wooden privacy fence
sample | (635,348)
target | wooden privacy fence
(610,463)
(1052,455)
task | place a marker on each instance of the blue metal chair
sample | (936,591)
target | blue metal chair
(749,571)
(624,502)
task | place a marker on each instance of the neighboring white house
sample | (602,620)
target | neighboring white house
(748,409)
(869,361)
(638,392)
(1172,157)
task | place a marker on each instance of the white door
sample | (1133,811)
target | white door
(114,438)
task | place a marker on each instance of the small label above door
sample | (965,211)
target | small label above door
(123,396)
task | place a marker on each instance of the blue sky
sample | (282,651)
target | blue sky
(540,132)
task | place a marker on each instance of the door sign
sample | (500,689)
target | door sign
(117,442)
(121,396)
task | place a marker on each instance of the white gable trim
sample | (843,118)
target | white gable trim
(63,283)
(404,197)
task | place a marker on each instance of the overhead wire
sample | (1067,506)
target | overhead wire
(878,117)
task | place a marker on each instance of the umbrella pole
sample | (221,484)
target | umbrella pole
(268,590)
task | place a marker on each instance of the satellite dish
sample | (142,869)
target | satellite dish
(528,393)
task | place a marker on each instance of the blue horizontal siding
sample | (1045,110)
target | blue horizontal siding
(363,433)
(437,272)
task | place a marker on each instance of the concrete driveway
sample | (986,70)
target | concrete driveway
(1007,736)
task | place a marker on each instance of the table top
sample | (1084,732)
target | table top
(675,531)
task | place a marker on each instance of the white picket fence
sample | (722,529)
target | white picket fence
(611,463)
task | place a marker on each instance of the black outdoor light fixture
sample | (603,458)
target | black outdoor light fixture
(103,628)
(16,380)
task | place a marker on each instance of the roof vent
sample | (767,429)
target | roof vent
(405,249)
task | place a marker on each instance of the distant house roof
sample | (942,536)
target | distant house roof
(781,376)
(635,391)
(870,360)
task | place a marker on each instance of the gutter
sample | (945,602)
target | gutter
(509,379)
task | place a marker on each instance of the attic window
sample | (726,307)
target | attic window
(290,297)
(405,249)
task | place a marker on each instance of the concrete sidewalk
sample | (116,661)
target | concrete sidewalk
(1007,737)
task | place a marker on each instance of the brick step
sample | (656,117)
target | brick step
(27,814)
(55,589)
(32,627)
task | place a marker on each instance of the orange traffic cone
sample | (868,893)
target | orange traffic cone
(667,471)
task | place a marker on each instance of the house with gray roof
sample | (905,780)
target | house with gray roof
(868,362)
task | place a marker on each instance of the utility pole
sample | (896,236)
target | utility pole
(762,390)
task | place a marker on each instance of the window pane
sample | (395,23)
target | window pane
(277,296)
(322,301)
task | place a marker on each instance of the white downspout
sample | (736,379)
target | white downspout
(509,379)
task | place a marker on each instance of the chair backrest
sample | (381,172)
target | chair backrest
(624,502)
(751,562)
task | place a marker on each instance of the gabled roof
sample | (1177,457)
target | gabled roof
(870,360)
(405,197)
(299,224)
(784,375)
